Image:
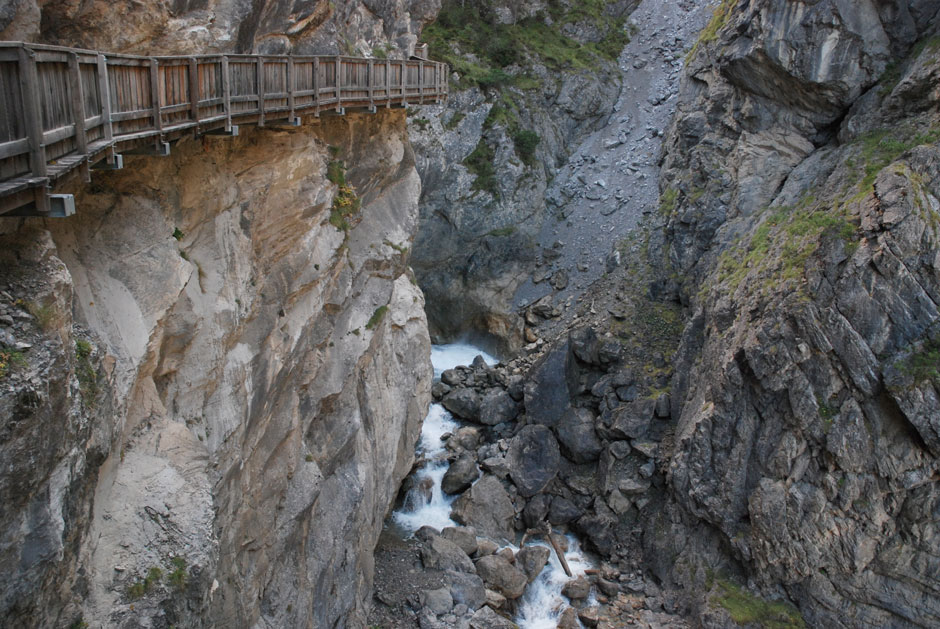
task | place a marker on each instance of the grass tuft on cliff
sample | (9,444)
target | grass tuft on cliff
(478,47)
(346,203)
(747,609)
(710,33)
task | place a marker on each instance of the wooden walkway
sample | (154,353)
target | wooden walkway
(64,111)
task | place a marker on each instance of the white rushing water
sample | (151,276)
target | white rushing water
(543,603)
(426,505)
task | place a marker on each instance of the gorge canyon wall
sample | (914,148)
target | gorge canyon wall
(220,373)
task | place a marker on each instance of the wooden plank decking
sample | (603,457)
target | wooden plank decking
(63,110)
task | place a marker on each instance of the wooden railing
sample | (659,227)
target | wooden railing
(64,110)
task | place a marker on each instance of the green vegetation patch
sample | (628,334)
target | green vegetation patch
(10,358)
(346,203)
(469,39)
(502,232)
(376,317)
(747,609)
(924,364)
(178,576)
(881,147)
(525,142)
(710,33)
(668,201)
(480,163)
(892,75)
(86,373)
(779,249)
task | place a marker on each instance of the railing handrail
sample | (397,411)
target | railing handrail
(70,105)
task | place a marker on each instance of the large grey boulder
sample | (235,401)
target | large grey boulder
(460,475)
(577,437)
(464,403)
(533,459)
(486,618)
(438,553)
(502,576)
(486,507)
(465,588)
(497,407)
(532,560)
(546,389)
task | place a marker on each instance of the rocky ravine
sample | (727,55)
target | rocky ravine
(775,463)
(212,379)
(484,199)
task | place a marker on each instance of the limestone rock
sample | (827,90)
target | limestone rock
(502,576)
(532,560)
(533,459)
(486,507)
(460,475)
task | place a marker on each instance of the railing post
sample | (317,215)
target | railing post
(226,95)
(339,82)
(420,82)
(404,83)
(316,86)
(388,82)
(290,87)
(260,73)
(78,113)
(371,79)
(29,86)
(104,97)
(155,93)
(194,89)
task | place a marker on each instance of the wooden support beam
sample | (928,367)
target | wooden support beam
(420,82)
(227,95)
(371,80)
(115,161)
(194,89)
(29,87)
(59,206)
(155,93)
(388,82)
(316,86)
(290,88)
(259,65)
(78,114)
(339,82)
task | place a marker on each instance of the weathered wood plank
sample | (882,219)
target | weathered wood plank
(155,93)
(194,89)
(78,113)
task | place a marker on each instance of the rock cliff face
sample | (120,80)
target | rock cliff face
(269,374)
(213,376)
(801,186)
(531,79)
(201,26)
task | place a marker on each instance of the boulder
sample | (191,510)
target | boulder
(590,616)
(463,536)
(568,619)
(563,511)
(486,618)
(494,599)
(464,403)
(576,435)
(438,553)
(546,390)
(536,510)
(577,589)
(502,576)
(487,507)
(632,421)
(533,459)
(531,560)
(497,407)
(460,475)
(438,601)
(486,547)
(465,588)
